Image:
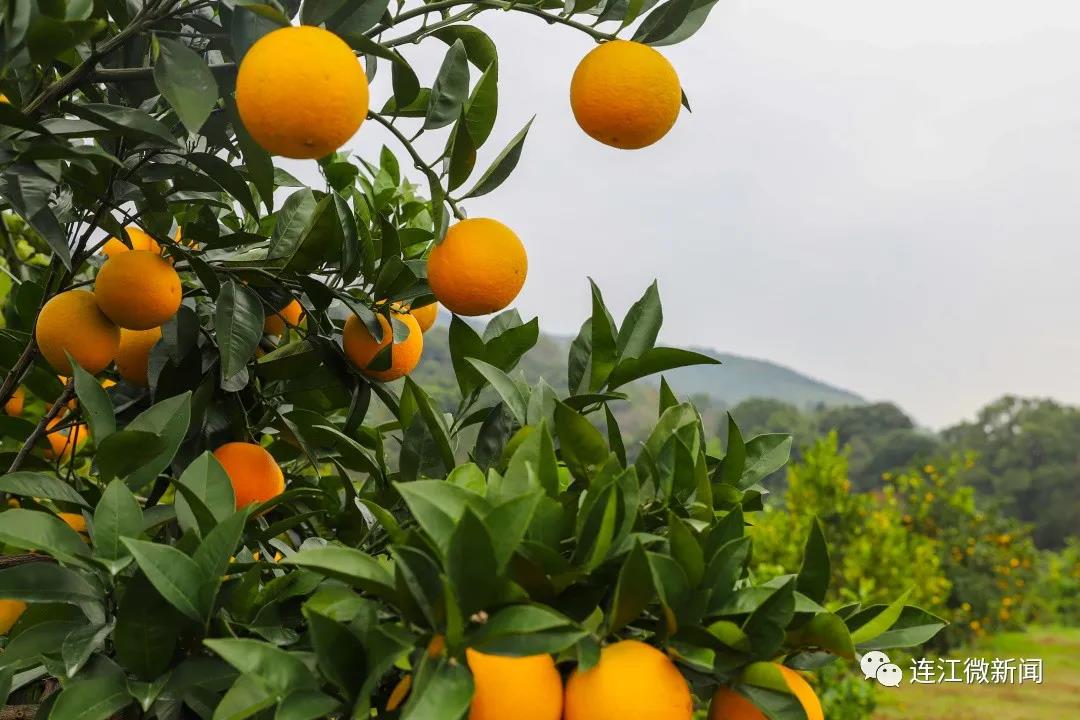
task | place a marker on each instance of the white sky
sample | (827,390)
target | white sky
(881,195)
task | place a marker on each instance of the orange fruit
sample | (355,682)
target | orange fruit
(14,405)
(133,356)
(137,290)
(289,316)
(632,681)
(727,704)
(523,688)
(67,440)
(361,347)
(478,268)
(140,240)
(425,316)
(75,521)
(253,472)
(72,322)
(625,94)
(10,611)
(301,92)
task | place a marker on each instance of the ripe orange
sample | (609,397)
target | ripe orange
(301,92)
(523,688)
(75,521)
(133,356)
(727,704)
(67,440)
(138,290)
(253,472)
(425,316)
(632,681)
(14,405)
(140,240)
(625,94)
(288,316)
(10,611)
(361,347)
(72,322)
(478,268)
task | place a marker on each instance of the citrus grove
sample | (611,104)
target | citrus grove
(224,496)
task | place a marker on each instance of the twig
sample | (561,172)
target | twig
(69,391)
(418,161)
(7,561)
(18,712)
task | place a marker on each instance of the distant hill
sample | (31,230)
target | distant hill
(736,379)
(739,378)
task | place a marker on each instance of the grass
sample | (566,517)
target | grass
(1057,698)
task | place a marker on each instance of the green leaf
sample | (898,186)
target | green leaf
(507,388)
(656,360)
(828,632)
(442,690)
(813,580)
(340,653)
(30,484)
(663,21)
(117,515)
(213,553)
(226,177)
(129,122)
(434,420)
(437,506)
(80,644)
(694,20)
(33,530)
(765,454)
(641,325)
(359,18)
(524,630)
(634,589)
(244,698)
(914,627)
(173,574)
(581,445)
(125,451)
(46,583)
(603,345)
(277,671)
(352,566)
(482,107)
(873,621)
(238,326)
(731,468)
(686,549)
(98,697)
(462,154)
(766,625)
(168,419)
(186,82)
(471,563)
(95,403)
(449,90)
(207,484)
(306,705)
(503,165)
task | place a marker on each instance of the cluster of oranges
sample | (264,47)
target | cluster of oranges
(631,681)
(301,93)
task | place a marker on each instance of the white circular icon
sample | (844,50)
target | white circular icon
(871,661)
(890,675)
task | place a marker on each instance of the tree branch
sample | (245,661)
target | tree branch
(54,411)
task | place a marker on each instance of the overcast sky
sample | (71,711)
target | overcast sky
(880,195)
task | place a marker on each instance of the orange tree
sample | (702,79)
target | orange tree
(225,498)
